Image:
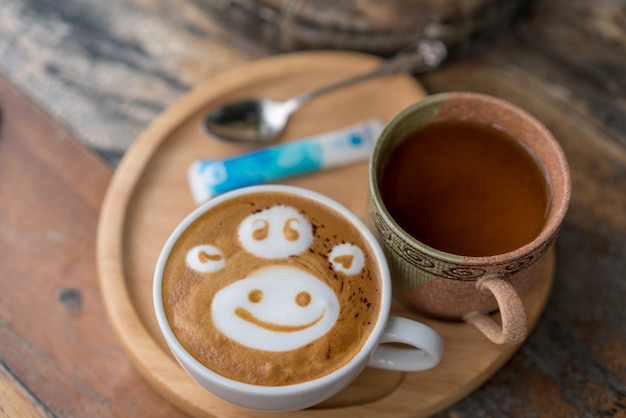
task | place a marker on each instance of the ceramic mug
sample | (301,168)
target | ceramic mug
(420,346)
(453,286)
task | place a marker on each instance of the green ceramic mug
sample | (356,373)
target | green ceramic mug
(448,285)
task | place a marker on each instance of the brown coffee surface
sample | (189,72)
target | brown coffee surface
(466,188)
(188,294)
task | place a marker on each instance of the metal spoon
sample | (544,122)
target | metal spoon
(263,120)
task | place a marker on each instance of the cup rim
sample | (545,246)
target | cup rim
(362,356)
(555,216)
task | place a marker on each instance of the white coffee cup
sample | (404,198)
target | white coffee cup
(421,347)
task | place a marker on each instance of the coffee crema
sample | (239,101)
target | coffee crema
(466,188)
(272,289)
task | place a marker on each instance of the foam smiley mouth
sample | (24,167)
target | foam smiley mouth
(246,315)
(277,307)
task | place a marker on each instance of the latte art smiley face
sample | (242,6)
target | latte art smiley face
(272,289)
(276,308)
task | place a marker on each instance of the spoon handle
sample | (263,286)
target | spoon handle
(426,56)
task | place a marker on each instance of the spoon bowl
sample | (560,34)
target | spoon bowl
(252,120)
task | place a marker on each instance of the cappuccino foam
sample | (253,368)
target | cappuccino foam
(272,289)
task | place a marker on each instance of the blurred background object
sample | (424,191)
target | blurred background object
(376,26)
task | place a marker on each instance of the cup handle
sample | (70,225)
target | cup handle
(514,327)
(422,349)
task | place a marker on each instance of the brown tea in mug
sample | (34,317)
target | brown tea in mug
(466,188)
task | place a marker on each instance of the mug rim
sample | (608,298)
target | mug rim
(359,359)
(552,222)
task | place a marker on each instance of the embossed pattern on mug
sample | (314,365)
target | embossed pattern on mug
(272,289)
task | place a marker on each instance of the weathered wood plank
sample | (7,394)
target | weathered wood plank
(106,69)
(16,400)
(54,333)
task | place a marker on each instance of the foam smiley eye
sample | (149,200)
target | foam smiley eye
(205,258)
(277,232)
(276,308)
(347,259)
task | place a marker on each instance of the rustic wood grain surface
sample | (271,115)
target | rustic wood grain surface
(58,354)
(94,74)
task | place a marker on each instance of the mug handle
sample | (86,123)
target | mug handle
(514,327)
(422,350)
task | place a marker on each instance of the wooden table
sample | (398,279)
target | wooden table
(82,80)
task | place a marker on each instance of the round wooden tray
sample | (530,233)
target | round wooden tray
(149,195)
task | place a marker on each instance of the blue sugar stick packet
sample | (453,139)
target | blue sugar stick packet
(208,178)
